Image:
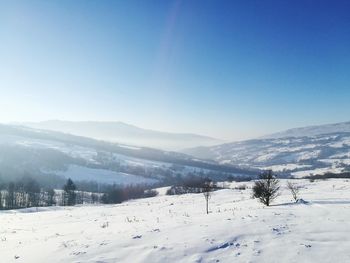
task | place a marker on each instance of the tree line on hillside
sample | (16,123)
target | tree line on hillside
(191,184)
(329,175)
(28,192)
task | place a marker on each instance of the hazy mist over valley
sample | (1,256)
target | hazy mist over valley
(125,133)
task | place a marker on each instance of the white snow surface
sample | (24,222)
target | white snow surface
(319,171)
(176,229)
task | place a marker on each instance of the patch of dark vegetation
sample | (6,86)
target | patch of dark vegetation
(241,187)
(29,192)
(329,176)
(117,194)
(192,184)
(232,178)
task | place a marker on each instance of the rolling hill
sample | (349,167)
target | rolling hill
(298,152)
(54,156)
(341,127)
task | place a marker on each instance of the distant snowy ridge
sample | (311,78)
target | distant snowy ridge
(298,152)
(311,130)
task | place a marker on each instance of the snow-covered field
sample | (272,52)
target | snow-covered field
(176,229)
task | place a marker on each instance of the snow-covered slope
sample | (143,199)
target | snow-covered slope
(37,152)
(128,134)
(176,229)
(299,156)
(312,130)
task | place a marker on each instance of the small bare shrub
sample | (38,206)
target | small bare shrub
(294,189)
(207,189)
(266,189)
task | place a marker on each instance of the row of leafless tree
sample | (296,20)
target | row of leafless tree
(28,193)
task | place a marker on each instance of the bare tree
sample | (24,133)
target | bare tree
(207,189)
(11,196)
(294,189)
(1,199)
(69,193)
(32,188)
(266,189)
(51,197)
(94,198)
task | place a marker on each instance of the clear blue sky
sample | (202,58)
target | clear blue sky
(229,69)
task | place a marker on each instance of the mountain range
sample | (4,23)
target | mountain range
(127,134)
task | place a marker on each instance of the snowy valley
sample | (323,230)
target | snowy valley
(55,156)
